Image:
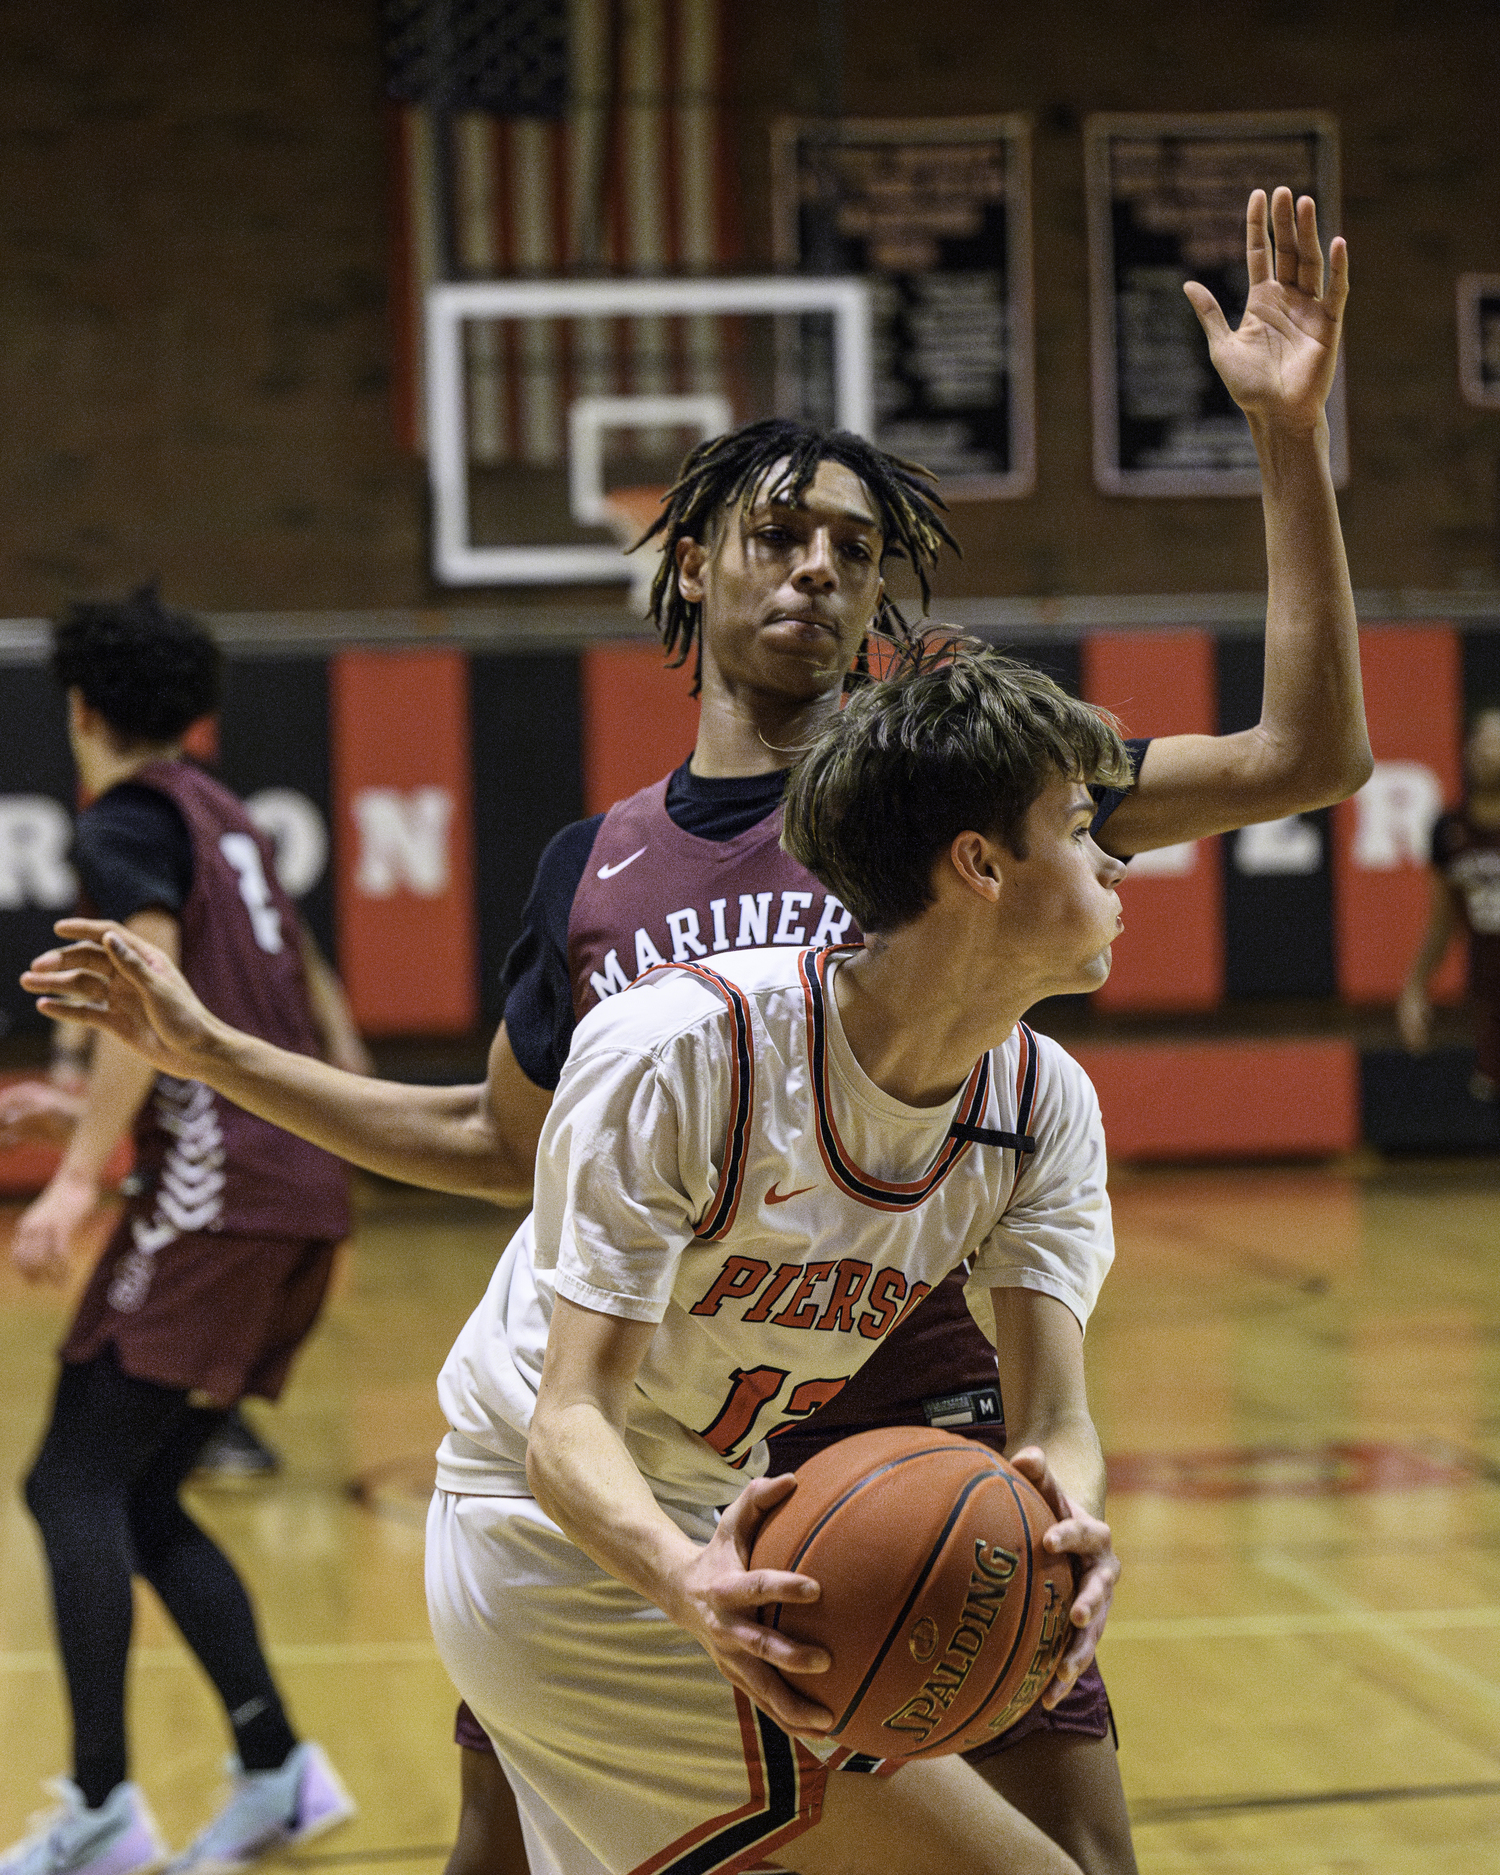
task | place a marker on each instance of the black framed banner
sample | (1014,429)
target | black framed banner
(936,214)
(1479,338)
(1166,200)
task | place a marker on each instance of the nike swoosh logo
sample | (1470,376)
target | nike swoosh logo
(608,872)
(773,1196)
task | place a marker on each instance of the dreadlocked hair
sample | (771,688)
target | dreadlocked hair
(732,469)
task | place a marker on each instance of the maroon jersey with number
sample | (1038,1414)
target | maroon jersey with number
(243,956)
(652,893)
(222,1258)
(1468,856)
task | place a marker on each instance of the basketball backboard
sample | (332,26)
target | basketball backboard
(523,375)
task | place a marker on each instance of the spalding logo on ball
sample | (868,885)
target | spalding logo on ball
(942,1614)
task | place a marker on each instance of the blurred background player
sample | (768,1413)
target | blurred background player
(774,537)
(213,1276)
(1465,897)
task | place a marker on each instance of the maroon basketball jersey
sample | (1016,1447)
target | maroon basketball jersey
(1468,856)
(205,1163)
(652,893)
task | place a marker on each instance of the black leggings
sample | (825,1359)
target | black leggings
(104,1492)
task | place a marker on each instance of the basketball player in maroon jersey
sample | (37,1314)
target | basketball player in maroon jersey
(213,1276)
(774,538)
(1465,897)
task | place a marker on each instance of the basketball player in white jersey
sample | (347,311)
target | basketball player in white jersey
(765,680)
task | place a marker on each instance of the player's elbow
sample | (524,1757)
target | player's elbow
(1319,771)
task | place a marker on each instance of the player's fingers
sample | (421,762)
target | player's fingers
(1085,1537)
(1337,290)
(758,1586)
(1257,240)
(1284,233)
(1210,314)
(789,1708)
(745,1514)
(1309,251)
(72,956)
(94,928)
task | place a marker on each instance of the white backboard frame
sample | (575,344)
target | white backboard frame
(456,561)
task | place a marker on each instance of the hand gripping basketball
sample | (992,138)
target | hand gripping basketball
(944,1610)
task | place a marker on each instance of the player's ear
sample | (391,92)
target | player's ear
(976,861)
(692,558)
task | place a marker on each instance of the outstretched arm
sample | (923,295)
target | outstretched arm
(479,1140)
(1310,747)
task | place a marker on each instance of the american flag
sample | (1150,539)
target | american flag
(587,137)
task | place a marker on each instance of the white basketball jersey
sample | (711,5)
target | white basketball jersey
(717,1162)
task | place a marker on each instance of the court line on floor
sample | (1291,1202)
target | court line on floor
(288,1654)
(1353,1619)
(1145,1811)
(1349,1618)
(1395,1637)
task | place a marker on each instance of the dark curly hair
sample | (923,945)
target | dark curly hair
(732,469)
(148,671)
(955,736)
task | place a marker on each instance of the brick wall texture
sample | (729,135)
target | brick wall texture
(194,373)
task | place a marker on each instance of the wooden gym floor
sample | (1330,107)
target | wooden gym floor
(1297,1376)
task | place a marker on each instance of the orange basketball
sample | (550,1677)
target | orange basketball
(942,1613)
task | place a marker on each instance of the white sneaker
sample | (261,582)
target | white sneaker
(119,1838)
(268,1810)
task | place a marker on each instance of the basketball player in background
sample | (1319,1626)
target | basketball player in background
(1465,897)
(213,1276)
(774,540)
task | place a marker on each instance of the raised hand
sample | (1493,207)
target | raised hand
(115,980)
(1278,364)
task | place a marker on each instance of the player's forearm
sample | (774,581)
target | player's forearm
(440,1137)
(583,1476)
(1071,1444)
(1316,744)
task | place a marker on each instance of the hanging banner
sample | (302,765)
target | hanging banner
(1382,838)
(1278,874)
(405,849)
(936,214)
(527,786)
(273,751)
(1172,953)
(1166,204)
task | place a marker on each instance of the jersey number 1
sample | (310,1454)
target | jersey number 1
(265,921)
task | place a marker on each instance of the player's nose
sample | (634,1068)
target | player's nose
(817,568)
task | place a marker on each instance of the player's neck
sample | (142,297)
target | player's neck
(102,766)
(917,1030)
(744,731)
